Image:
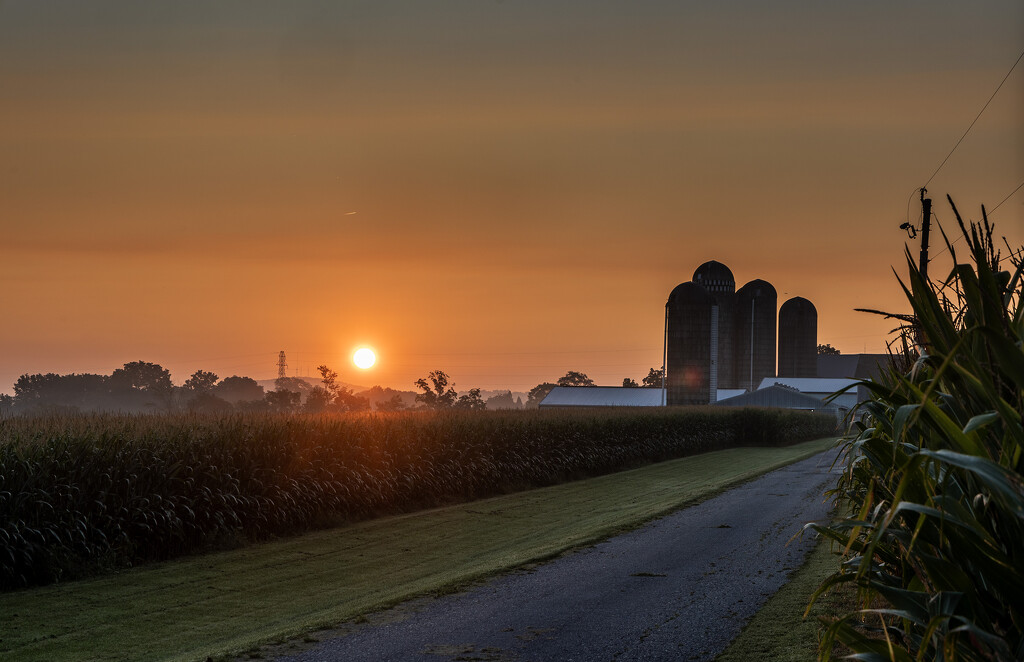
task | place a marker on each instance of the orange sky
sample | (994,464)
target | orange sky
(529,180)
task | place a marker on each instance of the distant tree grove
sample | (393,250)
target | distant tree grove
(143,387)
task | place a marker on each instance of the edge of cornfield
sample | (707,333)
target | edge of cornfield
(225,603)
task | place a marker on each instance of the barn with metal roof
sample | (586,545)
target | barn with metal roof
(602,396)
(819,388)
(781,397)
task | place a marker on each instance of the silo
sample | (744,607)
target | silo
(754,347)
(718,280)
(715,277)
(798,339)
(688,319)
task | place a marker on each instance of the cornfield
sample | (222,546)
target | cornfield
(934,531)
(86,493)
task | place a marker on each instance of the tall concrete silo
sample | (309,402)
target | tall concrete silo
(798,339)
(718,280)
(756,303)
(688,333)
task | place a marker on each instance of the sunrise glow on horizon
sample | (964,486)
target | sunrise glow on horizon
(501,191)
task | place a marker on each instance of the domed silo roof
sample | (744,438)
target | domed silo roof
(689,293)
(798,306)
(715,277)
(759,288)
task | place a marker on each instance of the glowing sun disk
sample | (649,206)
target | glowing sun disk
(364,358)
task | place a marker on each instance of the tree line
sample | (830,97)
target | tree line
(144,387)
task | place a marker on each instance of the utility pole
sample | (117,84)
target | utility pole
(926,223)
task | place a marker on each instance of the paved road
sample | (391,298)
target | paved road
(679,588)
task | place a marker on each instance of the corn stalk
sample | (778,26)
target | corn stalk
(933,535)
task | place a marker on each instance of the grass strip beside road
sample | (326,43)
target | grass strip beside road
(227,602)
(777,632)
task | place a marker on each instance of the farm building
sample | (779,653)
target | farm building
(819,388)
(612,396)
(853,366)
(780,397)
(602,396)
(718,337)
(722,346)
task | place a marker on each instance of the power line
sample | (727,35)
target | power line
(993,210)
(975,120)
(989,212)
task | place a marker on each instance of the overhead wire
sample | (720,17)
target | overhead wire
(993,210)
(1019,57)
(973,122)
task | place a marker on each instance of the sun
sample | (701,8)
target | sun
(364,358)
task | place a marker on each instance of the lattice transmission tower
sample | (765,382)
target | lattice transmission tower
(282,364)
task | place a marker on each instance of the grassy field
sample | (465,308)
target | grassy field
(222,603)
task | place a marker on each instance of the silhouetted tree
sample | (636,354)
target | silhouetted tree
(828,349)
(471,400)
(346,400)
(206,401)
(251,406)
(318,400)
(201,381)
(283,401)
(143,376)
(653,379)
(200,386)
(6,404)
(322,398)
(394,403)
(437,394)
(574,378)
(629,383)
(538,393)
(332,396)
(385,399)
(329,378)
(293,384)
(503,401)
(236,389)
(52,391)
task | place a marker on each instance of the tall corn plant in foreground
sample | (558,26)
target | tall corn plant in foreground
(932,487)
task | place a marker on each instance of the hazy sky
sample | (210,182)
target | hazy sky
(501,190)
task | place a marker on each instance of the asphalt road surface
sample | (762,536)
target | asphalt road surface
(679,588)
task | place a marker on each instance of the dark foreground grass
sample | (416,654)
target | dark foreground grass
(228,602)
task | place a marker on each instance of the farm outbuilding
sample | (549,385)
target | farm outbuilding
(612,396)
(780,397)
(819,388)
(854,366)
(602,396)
